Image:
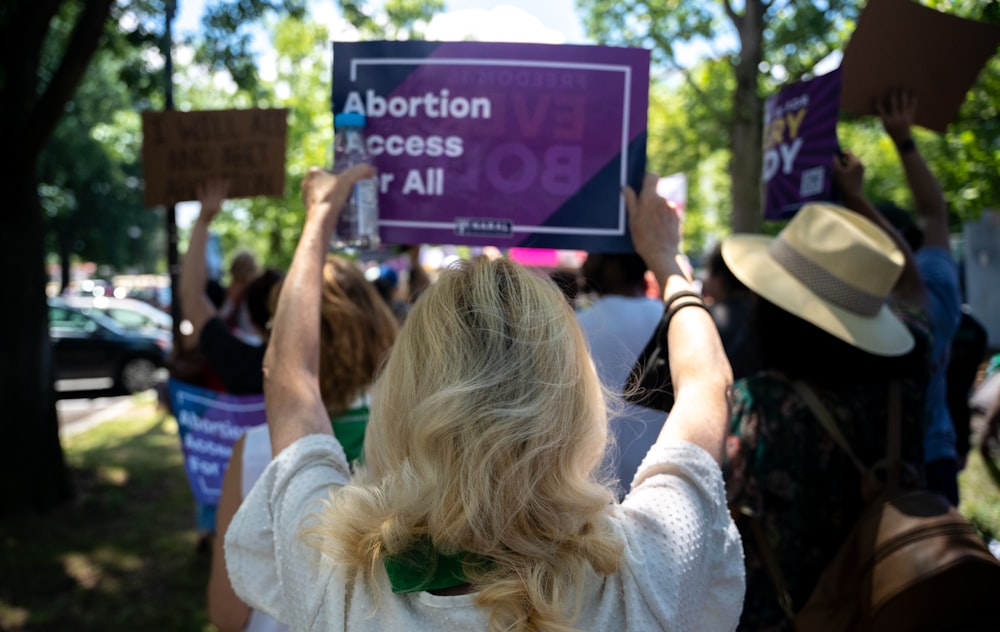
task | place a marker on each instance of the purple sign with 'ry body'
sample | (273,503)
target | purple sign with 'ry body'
(800,141)
(506,145)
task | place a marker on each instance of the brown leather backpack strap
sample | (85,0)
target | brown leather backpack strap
(825,417)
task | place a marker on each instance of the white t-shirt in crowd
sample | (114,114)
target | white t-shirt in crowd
(256,456)
(617,329)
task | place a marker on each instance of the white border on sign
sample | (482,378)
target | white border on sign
(219,404)
(520,228)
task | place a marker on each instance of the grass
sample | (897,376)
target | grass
(979,486)
(123,558)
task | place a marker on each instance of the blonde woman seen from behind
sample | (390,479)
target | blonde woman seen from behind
(481,504)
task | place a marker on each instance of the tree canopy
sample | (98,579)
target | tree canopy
(759,44)
(748,51)
(46,47)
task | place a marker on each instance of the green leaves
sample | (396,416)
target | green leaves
(228,32)
(707,100)
(397,20)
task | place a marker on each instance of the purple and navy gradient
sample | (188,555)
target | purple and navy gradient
(523,115)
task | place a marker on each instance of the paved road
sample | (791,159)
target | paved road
(79,411)
(83,404)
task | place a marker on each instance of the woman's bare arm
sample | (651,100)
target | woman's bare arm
(699,368)
(195,304)
(292,396)
(227,611)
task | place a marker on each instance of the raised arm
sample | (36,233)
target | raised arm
(292,396)
(196,307)
(898,111)
(699,368)
(418,279)
(848,172)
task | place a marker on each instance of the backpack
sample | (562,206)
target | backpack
(911,561)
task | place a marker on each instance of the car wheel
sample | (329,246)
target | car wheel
(137,374)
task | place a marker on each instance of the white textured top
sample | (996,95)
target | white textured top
(682,566)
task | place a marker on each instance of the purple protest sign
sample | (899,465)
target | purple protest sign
(508,145)
(800,140)
(209,423)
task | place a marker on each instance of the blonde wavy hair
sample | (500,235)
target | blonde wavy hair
(486,434)
(357,329)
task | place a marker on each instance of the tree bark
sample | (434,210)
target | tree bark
(65,248)
(747,124)
(33,473)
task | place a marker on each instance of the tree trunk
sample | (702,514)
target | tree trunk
(747,126)
(65,244)
(33,474)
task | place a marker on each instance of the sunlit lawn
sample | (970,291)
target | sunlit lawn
(122,557)
(980,490)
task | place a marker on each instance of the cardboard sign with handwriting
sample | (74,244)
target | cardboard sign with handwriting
(182,149)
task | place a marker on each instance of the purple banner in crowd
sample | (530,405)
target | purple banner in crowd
(507,145)
(209,423)
(800,140)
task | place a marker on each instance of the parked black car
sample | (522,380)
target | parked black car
(87,344)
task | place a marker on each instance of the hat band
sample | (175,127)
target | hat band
(823,283)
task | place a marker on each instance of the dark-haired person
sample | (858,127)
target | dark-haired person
(929,238)
(235,361)
(841,309)
(731,303)
(230,360)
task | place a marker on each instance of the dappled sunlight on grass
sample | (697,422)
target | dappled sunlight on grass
(82,569)
(113,475)
(980,495)
(170,426)
(12,618)
(979,486)
(101,568)
(121,557)
(118,450)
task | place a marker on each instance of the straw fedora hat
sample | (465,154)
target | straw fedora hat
(831,267)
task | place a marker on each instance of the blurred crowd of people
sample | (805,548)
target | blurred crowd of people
(455,452)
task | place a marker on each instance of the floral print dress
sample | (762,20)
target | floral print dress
(784,469)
